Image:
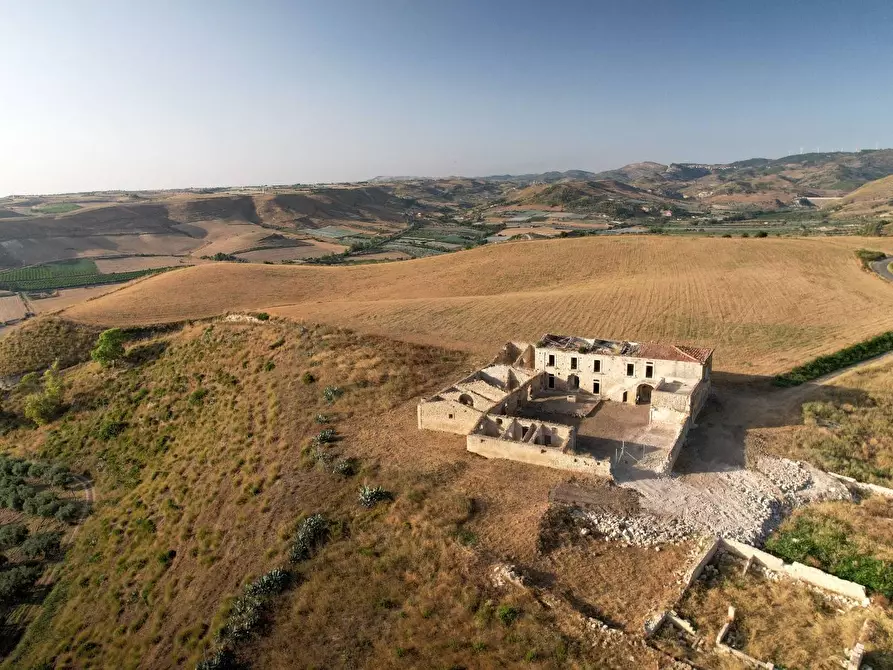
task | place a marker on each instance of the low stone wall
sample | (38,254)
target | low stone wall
(494,447)
(862,486)
(798,571)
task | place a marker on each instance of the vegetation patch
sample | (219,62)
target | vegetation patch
(838,360)
(41,341)
(57,208)
(826,543)
(869,256)
(65,274)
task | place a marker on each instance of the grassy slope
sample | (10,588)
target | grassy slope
(766,305)
(37,343)
(847,427)
(223,479)
(872,199)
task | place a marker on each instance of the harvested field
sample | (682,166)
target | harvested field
(12,308)
(132,263)
(33,251)
(765,304)
(68,297)
(382,256)
(303,249)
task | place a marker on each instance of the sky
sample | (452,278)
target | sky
(142,95)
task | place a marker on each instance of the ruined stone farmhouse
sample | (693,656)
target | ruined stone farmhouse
(560,403)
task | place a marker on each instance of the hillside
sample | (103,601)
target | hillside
(201,444)
(874,199)
(765,304)
(192,224)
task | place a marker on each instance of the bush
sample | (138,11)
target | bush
(269,366)
(308,377)
(12,535)
(46,545)
(109,347)
(762,233)
(270,584)
(346,467)
(67,513)
(332,393)
(326,436)
(323,418)
(15,581)
(197,397)
(222,659)
(45,405)
(370,496)
(262,316)
(312,534)
(507,614)
(839,359)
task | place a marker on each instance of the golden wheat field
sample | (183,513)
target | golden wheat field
(765,304)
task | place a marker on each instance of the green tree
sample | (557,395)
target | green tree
(45,405)
(109,347)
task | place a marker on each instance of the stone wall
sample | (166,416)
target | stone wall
(804,573)
(551,457)
(448,416)
(612,375)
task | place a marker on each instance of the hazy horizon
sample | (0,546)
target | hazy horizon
(174,95)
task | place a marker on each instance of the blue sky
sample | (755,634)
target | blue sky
(99,95)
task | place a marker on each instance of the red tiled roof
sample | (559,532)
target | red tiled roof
(673,352)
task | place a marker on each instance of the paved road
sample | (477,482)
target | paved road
(882,267)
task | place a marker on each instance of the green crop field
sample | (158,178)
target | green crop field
(66,274)
(58,208)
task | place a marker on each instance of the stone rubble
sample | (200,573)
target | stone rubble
(739,504)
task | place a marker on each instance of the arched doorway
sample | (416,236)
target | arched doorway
(466,399)
(573,383)
(643,394)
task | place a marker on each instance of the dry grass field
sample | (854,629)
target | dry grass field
(70,296)
(201,448)
(765,304)
(304,249)
(12,308)
(132,263)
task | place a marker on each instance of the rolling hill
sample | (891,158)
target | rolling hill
(765,304)
(874,199)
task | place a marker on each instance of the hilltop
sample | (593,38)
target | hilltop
(765,304)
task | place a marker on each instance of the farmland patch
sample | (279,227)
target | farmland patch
(66,274)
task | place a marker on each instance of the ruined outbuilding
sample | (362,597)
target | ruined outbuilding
(540,403)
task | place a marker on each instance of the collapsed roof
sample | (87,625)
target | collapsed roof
(651,350)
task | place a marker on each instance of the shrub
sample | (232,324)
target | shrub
(507,614)
(43,406)
(67,513)
(46,545)
(197,397)
(12,535)
(762,233)
(262,316)
(308,377)
(346,467)
(17,580)
(839,359)
(325,436)
(270,584)
(323,418)
(312,533)
(244,618)
(167,557)
(222,659)
(109,347)
(332,393)
(278,343)
(109,428)
(269,365)
(370,496)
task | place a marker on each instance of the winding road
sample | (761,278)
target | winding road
(882,267)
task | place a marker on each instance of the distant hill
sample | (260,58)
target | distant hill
(544,177)
(605,196)
(874,199)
